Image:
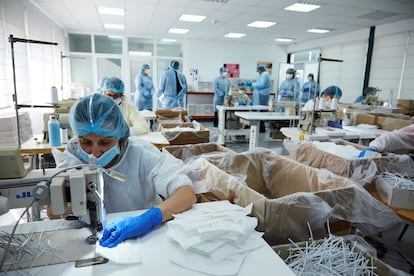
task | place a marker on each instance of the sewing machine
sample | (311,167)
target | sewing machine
(310,120)
(290,108)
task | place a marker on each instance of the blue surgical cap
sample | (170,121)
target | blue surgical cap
(145,67)
(102,83)
(98,114)
(223,69)
(261,68)
(175,64)
(333,91)
(113,84)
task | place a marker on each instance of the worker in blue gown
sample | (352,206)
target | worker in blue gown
(172,87)
(309,89)
(144,89)
(222,86)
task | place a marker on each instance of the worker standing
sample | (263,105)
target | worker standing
(114,88)
(261,88)
(222,86)
(144,89)
(309,89)
(289,88)
(172,87)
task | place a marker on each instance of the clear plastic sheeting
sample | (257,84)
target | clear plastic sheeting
(188,153)
(328,155)
(185,133)
(286,195)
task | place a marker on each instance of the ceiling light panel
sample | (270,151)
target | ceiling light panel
(261,24)
(234,35)
(178,31)
(300,7)
(282,39)
(318,31)
(111,11)
(192,18)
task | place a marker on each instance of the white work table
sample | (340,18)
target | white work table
(253,119)
(327,133)
(148,116)
(221,113)
(155,250)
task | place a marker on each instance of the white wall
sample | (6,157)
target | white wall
(209,56)
(392,65)
(37,66)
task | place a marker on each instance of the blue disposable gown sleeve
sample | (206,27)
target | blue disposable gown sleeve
(262,82)
(161,85)
(183,82)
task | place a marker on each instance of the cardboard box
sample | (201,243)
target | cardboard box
(363,118)
(178,114)
(287,195)
(406,106)
(395,197)
(381,268)
(185,152)
(388,123)
(179,137)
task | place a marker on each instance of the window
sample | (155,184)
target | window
(80,43)
(108,45)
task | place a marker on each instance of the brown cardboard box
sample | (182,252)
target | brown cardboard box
(406,106)
(287,195)
(363,118)
(179,137)
(390,124)
(178,114)
(185,152)
(361,245)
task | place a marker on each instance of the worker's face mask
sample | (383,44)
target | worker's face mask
(224,74)
(118,101)
(102,160)
(289,76)
(146,71)
(310,79)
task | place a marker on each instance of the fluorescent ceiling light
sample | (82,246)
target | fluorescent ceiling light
(192,18)
(234,35)
(299,7)
(140,53)
(114,26)
(169,40)
(114,37)
(318,31)
(261,24)
(281,39)
(178,31)
(111,11)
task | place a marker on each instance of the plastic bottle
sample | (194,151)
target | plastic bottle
(63,135)
(54,131)
(334,103)
(54,95)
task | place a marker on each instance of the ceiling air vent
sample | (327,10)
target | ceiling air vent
(377,15)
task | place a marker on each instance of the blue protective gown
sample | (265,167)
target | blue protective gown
(168,95)
(359,99)
(221,88)
(148,174)
(308,91)
(144,91)
(289,90)
(261,90)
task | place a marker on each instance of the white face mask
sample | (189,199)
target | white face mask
(224,74)
(241,92)
(289,76)
(310,79)
(146,71)
(118,101)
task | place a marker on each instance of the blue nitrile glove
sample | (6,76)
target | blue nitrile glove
(284,92)
(130,227)
(242,103)
(251,103)
(363,152)
(148,94)
(248,84)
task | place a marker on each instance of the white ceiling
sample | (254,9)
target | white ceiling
(153,18)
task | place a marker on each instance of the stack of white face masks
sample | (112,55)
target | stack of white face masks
(213,237)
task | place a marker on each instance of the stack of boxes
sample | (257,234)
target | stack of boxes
(8,129)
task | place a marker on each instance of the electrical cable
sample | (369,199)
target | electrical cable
(12,233)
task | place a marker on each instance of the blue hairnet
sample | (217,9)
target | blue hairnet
(291,71)
(223,69)
(113,84)
(145,67)
(261,68)
(333,91)
(98,114)
(102,83)
(175,64)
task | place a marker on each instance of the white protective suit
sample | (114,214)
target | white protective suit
(398,141)
(148,174)
(137,124)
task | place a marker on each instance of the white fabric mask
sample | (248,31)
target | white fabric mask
(310,79)
(289,76)
(224,74)
(118,101)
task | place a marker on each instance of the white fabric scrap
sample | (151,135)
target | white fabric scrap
(126,252)
(213,237)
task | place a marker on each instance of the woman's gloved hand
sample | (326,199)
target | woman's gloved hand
(130,227)
(363,153)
